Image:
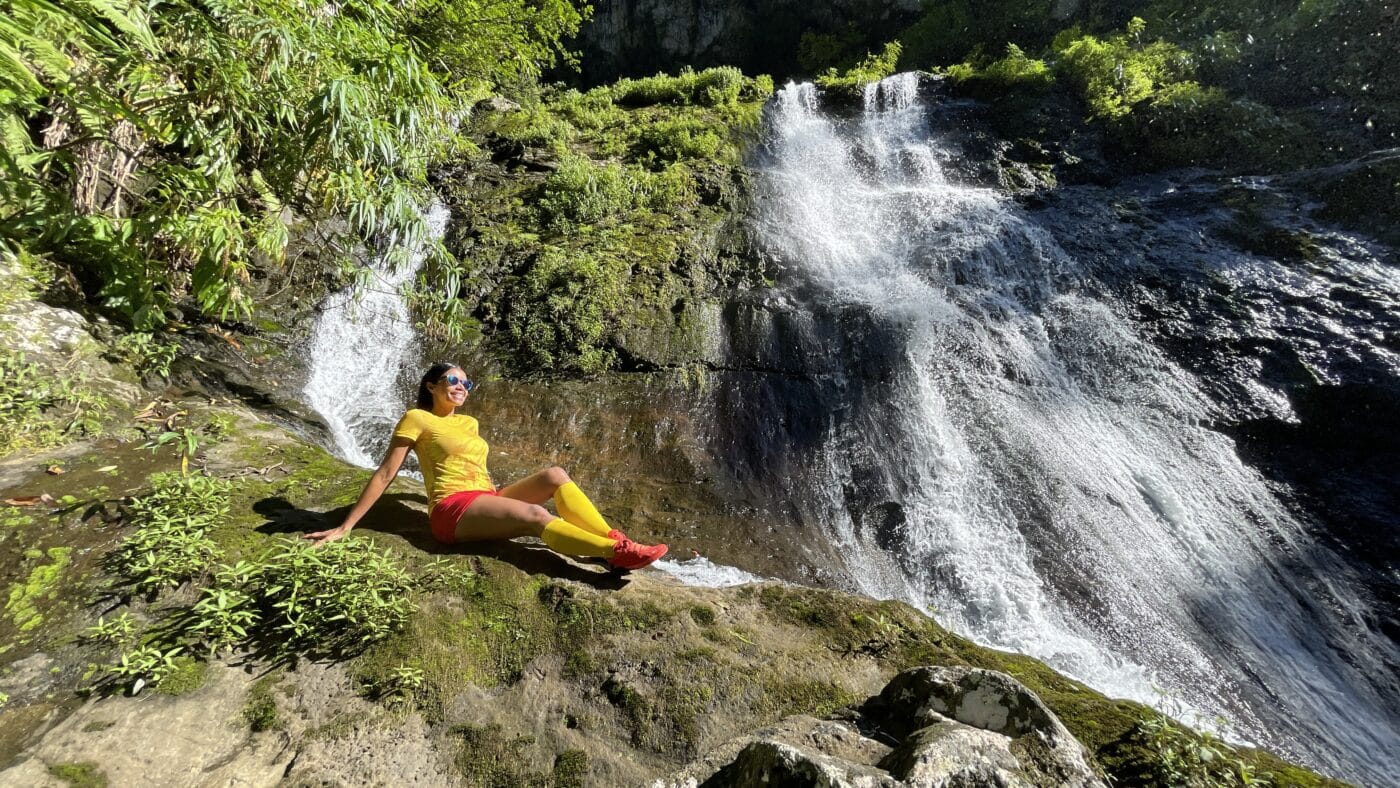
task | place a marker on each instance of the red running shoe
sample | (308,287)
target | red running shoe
(627,554)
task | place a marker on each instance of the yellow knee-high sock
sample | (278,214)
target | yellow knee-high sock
(564,537)
(575,507)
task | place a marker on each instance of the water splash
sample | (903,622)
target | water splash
(703,572)
(363,346)
(1058,493)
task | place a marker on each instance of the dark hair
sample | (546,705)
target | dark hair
(433,375)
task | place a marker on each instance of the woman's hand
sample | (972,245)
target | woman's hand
(329,535)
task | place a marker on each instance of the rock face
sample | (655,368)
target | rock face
(640,37)
(950,726)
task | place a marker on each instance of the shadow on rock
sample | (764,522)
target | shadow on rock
(401,515)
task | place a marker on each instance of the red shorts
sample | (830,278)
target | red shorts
(449,511)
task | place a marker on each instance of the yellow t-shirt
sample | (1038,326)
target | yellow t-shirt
(450,452)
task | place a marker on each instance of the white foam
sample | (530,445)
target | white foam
(701,571)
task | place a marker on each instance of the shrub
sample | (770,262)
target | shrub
(535,128)
(148,353)
(711,88)
(171,544)
(872,69)
(1013,72)
(40,409)
(326,601)
(1113,75)
(567,302)
(581,192)
(683,138)
(589,111)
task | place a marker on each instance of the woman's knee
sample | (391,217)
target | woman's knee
(538,515)
(556,476)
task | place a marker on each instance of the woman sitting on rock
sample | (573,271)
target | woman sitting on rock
(464,505)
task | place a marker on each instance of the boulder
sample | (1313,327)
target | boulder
(949,727)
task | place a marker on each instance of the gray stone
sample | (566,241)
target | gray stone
(955,728)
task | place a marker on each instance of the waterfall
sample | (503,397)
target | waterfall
(363,345)
(1030,467)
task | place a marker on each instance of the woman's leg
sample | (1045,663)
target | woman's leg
(538,487)
(493,517)
(573,505)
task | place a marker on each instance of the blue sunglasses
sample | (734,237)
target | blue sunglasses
(453,380)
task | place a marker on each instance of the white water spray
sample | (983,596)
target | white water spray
(1061,498)
(362,344)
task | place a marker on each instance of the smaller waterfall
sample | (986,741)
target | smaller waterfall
(361,345)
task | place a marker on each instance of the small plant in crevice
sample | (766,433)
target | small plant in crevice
(1193,758)
(149,354)
(136,668)
(398,687)
(120,631)
(41,408)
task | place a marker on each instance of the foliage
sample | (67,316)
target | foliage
(956,30)
(1188,758)
(581,192)
(39,408)
(578,293)
(555,267)
(712,87)
(1114,74)
(147,664)
(159,149)
(147,352)
(398,687)
(873,68)
(170,543)
(334,599)
(683,138)
(1015,71)
(120,631)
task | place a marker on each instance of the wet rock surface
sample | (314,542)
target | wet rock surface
(928,727)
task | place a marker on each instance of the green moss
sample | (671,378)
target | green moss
(582,270)
(704,615)
(488,635)
(80,775)
(784,696)
(260,708)
(491,758)
(189,675)
(571,769)
(24,600)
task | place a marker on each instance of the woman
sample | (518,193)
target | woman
(463,504)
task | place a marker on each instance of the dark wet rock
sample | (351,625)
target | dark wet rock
(1363,193)
(642,37)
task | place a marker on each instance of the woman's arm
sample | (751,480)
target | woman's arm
(382,477)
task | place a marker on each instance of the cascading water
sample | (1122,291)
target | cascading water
(1054,489)
(362,345)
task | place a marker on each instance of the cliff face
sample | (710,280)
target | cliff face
(640,37)
(500,664)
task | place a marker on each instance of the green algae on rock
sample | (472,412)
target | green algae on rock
(22,604)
